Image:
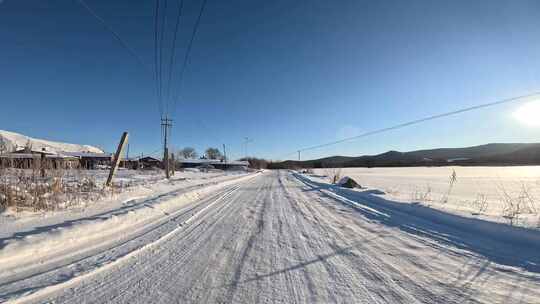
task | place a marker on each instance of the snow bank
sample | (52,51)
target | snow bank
(371,201)
(348,182)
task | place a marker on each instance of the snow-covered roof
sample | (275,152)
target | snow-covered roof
(88,154)
(32,155)
(33,150)
(14,141)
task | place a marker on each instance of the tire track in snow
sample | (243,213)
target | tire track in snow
(427,280)
(29,294)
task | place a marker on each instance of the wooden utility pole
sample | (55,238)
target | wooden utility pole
(224,153)
(298,155)
(166,124)
(166,163)
(117,157)
(173,166)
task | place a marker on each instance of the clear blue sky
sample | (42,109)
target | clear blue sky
(286,73)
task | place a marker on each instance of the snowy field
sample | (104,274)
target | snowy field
(491,193)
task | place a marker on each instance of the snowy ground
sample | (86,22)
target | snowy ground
(272,237)
(492,187)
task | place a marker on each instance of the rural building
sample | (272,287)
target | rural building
(90,160)
(28,159)
(149,162)
(213,163)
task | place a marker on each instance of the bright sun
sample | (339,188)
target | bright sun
(529,113)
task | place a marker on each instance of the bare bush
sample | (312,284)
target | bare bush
(334,174)
(514,206)
(422,196)
(480,204)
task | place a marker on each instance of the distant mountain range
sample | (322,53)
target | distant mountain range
(488,155)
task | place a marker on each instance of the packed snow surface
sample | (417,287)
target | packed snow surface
(13,141)
(272,237)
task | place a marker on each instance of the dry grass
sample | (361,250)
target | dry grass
(32,189)
(422,196)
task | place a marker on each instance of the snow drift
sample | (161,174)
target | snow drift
(13,141)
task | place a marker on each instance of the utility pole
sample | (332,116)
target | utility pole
(224,153)
(298,155)
(173,167)
(166,124)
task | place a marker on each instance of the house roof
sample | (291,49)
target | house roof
(33,155)
(88,154)
(33,151)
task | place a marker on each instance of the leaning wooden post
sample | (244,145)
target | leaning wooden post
(116,160)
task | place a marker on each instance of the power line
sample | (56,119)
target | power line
(156,70)
(162,35)
(115,34)
(122,43)
(186,57)
(173,52)
(521,98)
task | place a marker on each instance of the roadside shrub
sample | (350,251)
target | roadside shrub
(334,174)
(422,196)
(480,204)
(514,206)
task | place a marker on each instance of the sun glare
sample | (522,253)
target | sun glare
(529,113)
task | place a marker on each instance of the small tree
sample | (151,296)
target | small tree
(187,152)
(213,153)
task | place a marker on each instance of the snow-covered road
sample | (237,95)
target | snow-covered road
(280,238)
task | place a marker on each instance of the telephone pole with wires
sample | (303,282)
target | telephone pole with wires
(166,125)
